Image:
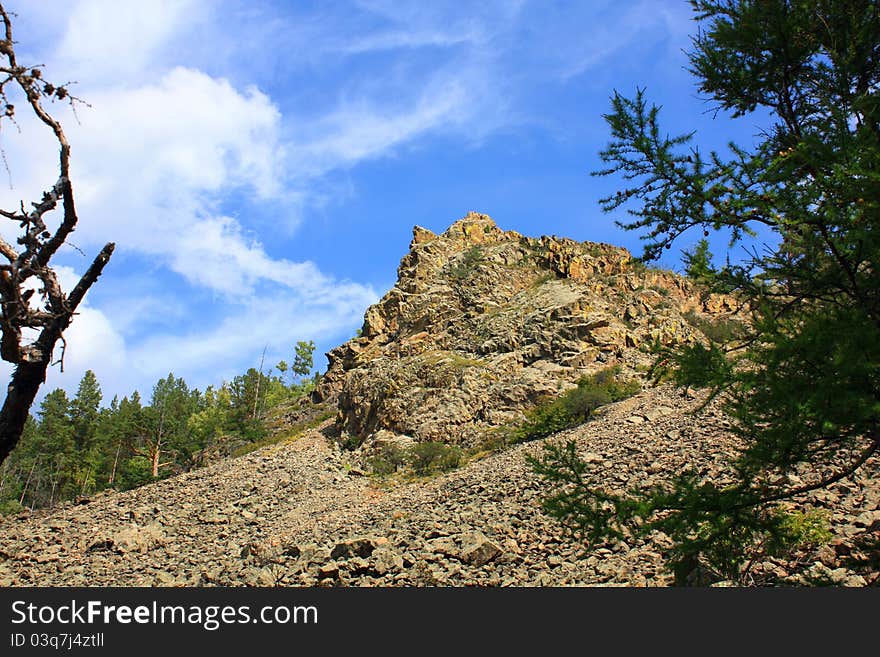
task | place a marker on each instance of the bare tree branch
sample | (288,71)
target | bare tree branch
(36,246)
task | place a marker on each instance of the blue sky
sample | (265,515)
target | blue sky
(260,165)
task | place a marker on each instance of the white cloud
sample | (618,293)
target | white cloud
(360,131)
(405,39)
(646,21)
(152,164)
(145,158)
(276,321)
(215,253)
(167,151)
(93,343)
(185,133)
(109,39)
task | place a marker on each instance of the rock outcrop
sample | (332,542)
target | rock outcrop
(484,323)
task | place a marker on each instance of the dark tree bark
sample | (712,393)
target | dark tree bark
(53,310)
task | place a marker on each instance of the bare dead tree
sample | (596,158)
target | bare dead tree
(37,244)
(259,378)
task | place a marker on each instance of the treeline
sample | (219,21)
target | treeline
(75,447)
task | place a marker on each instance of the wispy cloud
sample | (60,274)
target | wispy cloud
(244,334)
(113,41)
(157,153)
(397,39)
(215,127)
(362,130)
(641,22)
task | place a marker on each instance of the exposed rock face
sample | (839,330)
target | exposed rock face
(483,323)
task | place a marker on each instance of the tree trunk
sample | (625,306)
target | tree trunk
(115,463)
(6,475)
(30,371)
(157,448)
(26,381)
(27,482)
(259,378)
(85,481)
(156,453)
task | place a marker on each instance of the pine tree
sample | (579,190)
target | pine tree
(304,358)
(134,467)
(804,391)
(85,408)
(171,406)
(283,368)
(56,439)
(112,441)
(698,263)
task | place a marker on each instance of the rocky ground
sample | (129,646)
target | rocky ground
(297,514)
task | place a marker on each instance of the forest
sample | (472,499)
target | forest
(77,446)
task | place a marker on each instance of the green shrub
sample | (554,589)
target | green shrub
(800,529)
(609,381)
(420,459)
(720,330)
(389,460)
(135,472)
(428,457)
(544,420)
(492,440)
(8,507)
(467,264)
(381,467)
(295,430)
(583,400)
(574,407)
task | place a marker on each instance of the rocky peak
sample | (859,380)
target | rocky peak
(483,323)
(474,228)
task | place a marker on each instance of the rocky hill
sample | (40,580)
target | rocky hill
(483,323)
(481,326)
